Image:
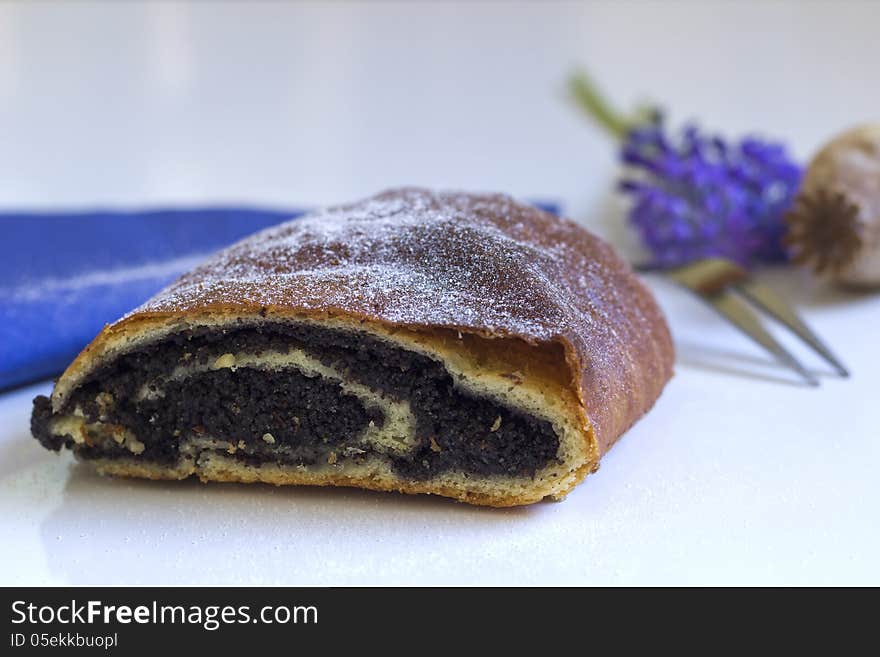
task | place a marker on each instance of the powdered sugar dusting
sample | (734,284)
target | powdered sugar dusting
(418,258)
(408,257)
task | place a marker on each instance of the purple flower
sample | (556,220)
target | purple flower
(696,196)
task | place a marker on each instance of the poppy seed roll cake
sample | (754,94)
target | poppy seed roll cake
(458,344)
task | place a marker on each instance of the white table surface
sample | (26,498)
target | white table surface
(739,475)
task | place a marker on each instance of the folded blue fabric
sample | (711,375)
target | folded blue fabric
(63,276)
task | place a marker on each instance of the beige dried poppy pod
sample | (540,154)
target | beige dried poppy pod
(834,225)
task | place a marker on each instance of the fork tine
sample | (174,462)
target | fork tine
(764,298)
(715,280)
(735,310)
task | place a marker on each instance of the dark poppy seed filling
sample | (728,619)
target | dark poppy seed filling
(288,417)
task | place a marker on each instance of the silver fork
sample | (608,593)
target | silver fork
(726,287)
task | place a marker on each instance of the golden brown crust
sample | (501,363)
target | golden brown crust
(231,472)
(429,265)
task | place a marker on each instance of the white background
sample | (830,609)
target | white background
(739,475)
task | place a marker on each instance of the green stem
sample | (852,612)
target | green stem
(587,96)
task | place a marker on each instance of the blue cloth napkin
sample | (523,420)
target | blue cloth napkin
(63,276)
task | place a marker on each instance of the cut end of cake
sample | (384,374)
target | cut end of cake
(300,403)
